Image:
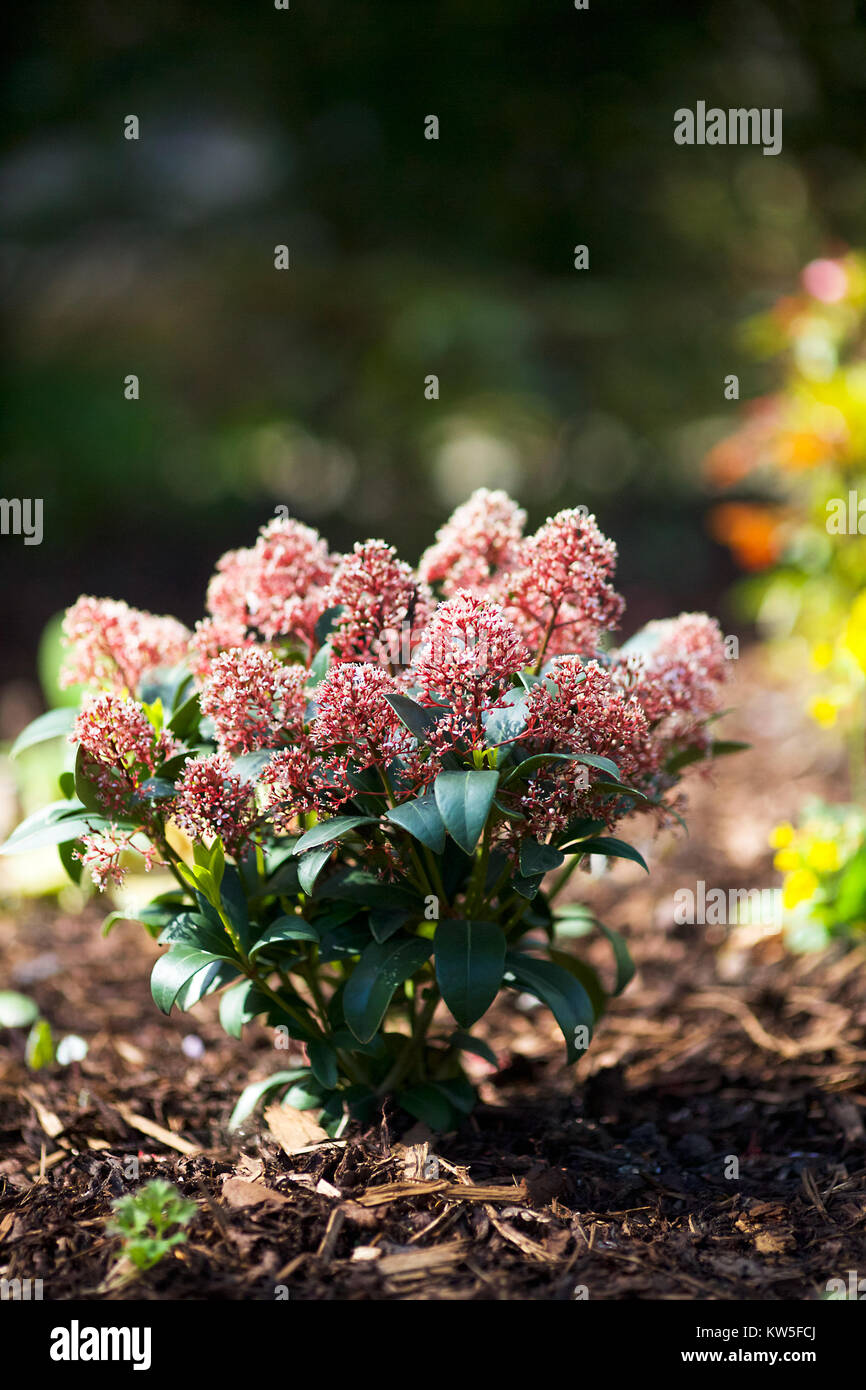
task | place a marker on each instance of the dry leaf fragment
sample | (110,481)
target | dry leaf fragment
(774,1242)
(293,1129)
(239,1193)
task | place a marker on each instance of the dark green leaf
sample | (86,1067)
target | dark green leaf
(625,966)
(386,922)
(564,995)
(428,1104)
(586,976)
(418,719)
(382,967)
(536,858)
(330,830)
(285,929)
(460,1092)
(612,848)
(172,971)
(470,958)
(323,1060)
(422,820)
(68,853)
(464,1042)
(241,1005)
(311,865)
(530,765)
(221,973)
(464,800)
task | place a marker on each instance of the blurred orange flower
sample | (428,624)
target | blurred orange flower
(753,533)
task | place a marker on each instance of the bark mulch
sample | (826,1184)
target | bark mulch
(711,1144)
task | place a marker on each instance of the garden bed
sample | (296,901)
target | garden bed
(607,1181)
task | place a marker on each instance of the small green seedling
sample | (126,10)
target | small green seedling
(150,1222)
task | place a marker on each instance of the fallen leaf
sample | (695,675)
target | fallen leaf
(293,1129)
(239,1193)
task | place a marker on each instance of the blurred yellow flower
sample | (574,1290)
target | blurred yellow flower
(822,655)
(799,886)
(781,835)
(855,631)
(823,711)
(786,860)
(823,856)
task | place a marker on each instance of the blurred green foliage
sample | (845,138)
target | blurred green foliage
(408,257)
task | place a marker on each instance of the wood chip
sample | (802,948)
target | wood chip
(48,1121)
(155,1131)
(451,1191)
(332,1231)
(239,1193)
(419,1261)
(293,1130)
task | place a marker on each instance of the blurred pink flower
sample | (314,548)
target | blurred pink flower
(113,646)
(480,539)
(825,280)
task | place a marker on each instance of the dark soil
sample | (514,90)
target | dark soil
(709,1146)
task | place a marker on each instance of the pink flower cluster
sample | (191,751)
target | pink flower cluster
(253,700)
(213,800)
(676,670)
(479,542)
(122,748)
(102,855)
(276,590)
(114,646)
(122,751)
(382,605)
(517,611)
(469,654)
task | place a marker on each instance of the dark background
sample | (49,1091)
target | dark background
(408,257)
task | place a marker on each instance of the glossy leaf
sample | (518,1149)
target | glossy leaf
(323,1061)
(311,865)
(422,819)
(172,971)
(464,800)
(536,858)
(54,825)
(382,967)
(612,848)
(470,958)
(285,929)
(563,994)
(326,832)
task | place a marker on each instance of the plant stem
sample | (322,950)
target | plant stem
(413,1046)
(562,878)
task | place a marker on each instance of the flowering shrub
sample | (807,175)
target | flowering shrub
(360,776)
